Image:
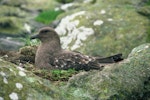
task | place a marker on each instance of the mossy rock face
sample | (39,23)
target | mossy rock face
(107,27)
(12,11)
(17,83)
(126,80)
(11,26)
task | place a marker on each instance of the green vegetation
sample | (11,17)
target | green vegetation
(10,25)
(29,42)
(148,2)
(62,74)
(53,75)
(65,1)
(48,16)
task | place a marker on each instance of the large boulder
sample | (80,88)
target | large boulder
(127,80)
(103,28)
(17,83)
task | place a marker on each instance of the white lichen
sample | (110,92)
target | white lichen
(143,48)
(146,47)
(69,31)
(66,6)
(27,27)
(81,35)
(20,67)
(2,73)
(5,80)
(21,73)
(98,22)
(87,1)
(4,77)
(139,51)
(102,11)
(19,86)
(11,70)
(57,8)
(67,23)
(1,98)
(13,96)
(110,19)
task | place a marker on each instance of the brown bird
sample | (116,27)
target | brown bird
(50,55)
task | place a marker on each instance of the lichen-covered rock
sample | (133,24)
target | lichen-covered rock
(129,79)
(104,28)
(18,84)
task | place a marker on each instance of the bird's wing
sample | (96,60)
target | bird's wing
(66,60)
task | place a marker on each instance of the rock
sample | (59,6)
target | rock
(103,28)
(129,79)
(17,83)
(10,44)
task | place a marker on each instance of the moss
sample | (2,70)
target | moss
(47,16)
(11,25)
(27,54)
(15,2)
(53,75)
(12,11)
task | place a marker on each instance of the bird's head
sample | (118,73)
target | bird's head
(46,34)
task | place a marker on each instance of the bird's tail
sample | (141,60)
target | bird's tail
(110,59)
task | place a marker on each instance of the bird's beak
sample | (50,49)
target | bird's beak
(34,36)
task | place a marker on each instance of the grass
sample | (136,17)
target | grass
(29,42)
(48,16)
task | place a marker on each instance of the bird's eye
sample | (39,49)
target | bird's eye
(45,31)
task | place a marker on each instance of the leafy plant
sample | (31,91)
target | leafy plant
(48,16)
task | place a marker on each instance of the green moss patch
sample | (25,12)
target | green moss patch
(53,75)
(47,16)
